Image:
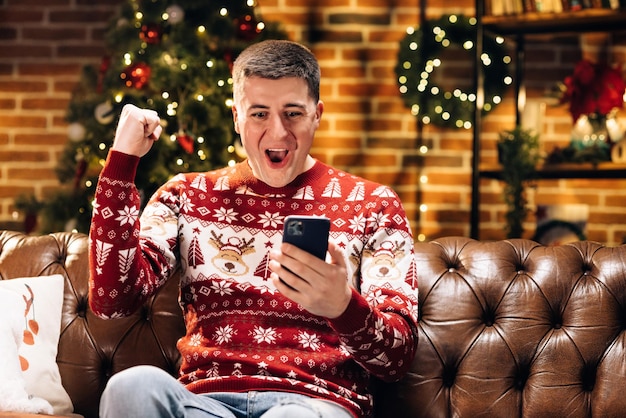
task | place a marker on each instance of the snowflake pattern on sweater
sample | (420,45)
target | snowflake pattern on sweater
(242,334)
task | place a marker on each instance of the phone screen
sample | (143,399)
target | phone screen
(309,233)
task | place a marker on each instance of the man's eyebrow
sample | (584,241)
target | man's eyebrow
(257,106)
(299,105)
(286,106)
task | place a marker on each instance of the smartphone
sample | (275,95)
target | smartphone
(309,233)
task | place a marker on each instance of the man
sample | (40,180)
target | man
(272,331)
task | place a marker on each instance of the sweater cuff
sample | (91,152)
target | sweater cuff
(120,166)
(354,317)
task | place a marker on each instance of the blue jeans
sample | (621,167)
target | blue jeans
(147,391)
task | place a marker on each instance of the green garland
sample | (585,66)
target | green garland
(420,54)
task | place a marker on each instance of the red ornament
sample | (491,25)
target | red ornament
(185,141)
(228,57)
(136,75)
(247,27)
(81,169)
(151,33)
(104,67)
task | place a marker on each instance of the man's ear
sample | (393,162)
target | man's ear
(319,110)
(235,119)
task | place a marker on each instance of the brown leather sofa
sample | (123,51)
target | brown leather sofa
(507,328)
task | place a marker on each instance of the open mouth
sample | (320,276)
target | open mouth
(276,155)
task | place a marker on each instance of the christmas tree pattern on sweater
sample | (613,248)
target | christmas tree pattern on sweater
(242,334)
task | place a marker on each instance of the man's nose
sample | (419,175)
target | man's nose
(278,125)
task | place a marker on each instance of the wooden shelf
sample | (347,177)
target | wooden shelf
(587,20)
(606,170)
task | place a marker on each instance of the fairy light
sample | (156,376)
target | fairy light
(433,104)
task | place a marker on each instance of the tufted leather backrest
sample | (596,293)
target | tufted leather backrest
(514,329)
(507,328)
(92,349)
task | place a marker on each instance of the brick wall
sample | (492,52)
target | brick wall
(366,129)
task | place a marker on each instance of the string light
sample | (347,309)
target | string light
(418,58)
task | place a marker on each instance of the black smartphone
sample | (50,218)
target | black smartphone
(309,233)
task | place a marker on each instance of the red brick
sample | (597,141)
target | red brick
(8,34)
(85,15)
(40,52)
(83,50)
(19,121)
(31,173)
(22,86)
(7,104)
(49,69)
(37,139)
(21,15)
(24,156)
(52,34)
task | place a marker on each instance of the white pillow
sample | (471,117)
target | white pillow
(42,376)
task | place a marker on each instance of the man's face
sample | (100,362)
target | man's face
(277,120)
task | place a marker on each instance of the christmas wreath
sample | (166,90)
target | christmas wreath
(421,53)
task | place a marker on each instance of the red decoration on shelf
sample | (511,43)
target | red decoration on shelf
(593,89)
(136,75)
(185,141)
(151,33)
(247,27)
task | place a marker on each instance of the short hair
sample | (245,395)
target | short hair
(275,59)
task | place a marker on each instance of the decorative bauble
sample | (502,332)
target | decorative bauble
(186,142)
(175,14)
(104,113)
(136,75)
(151,33)
(618,152)
(105,64)
(76,131)
(81,169)
(247,29)
(420,54)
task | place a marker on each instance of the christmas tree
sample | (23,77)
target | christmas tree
(173,56)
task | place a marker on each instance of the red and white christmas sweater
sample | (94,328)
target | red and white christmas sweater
(242,334)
